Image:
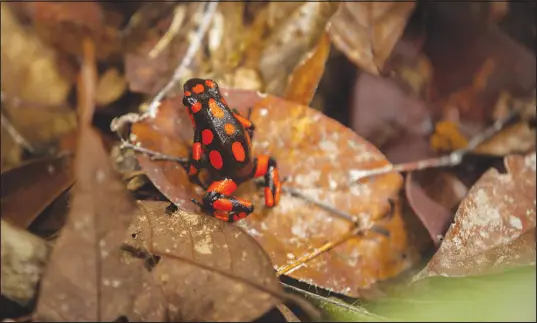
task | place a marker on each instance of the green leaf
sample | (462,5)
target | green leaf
(508,296)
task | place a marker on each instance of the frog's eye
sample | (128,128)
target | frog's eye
(189,101)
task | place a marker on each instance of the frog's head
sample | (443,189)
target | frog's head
(200,90)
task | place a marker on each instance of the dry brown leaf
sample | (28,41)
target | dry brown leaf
(293,38)
(308,73)
(432,195)
(110,87)
(11,150)
(33,89)
(29,70)
(318,155)
(206,267)
(148,75)
(493,62)
(368,31)
(390,119)
(494,226)
(65,24)
(28,189)
(85,278)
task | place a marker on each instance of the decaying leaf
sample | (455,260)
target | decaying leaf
(367,31)
(432,194)
(306,77)
(494,226)
(65,24)
(390,119)
(287,44)
(206,267)
(28,189)
(317,155)
(110,87)
(29,70)
(473,62)
(85,279)
(33,89)
(147,74)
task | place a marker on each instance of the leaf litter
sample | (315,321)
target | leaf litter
(205,266)
(85,279)
(295,229)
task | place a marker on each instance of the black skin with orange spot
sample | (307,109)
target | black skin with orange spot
(227,172)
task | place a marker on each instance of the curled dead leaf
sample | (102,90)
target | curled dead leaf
(494,226)
(367,31)
(318,156)
(308,73)
(293,38)
(28,189)
(205,266)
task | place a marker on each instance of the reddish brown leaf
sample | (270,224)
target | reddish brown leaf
(65,24)
(28,189)
(494,226)
(433,194)
(307,74)
(393,121)
(367,31)
(206,267)
(473,61)
(85,279)
(148,75)
(318,155)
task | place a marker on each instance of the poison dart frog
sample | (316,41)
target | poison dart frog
(222,145)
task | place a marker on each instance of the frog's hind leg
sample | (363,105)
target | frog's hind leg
(266,166)
(219,203)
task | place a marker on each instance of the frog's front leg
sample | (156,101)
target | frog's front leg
(266,166)
(195,162)
(219,203)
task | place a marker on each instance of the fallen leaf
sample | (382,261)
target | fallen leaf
(65,24)
(33,89)
(494,226)
(492,62)
(503,297)
(368,31)
(432,195)
(11,150)
(294,37)
(318,156)
(29,70)
(110,87)
(389,118)
(148,75)
(29,188)
(205,266)
(85,279)
(308,73)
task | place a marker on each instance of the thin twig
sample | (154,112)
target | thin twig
(209,11)
(19,139)
(327,207)
(452,159)
(155,155)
